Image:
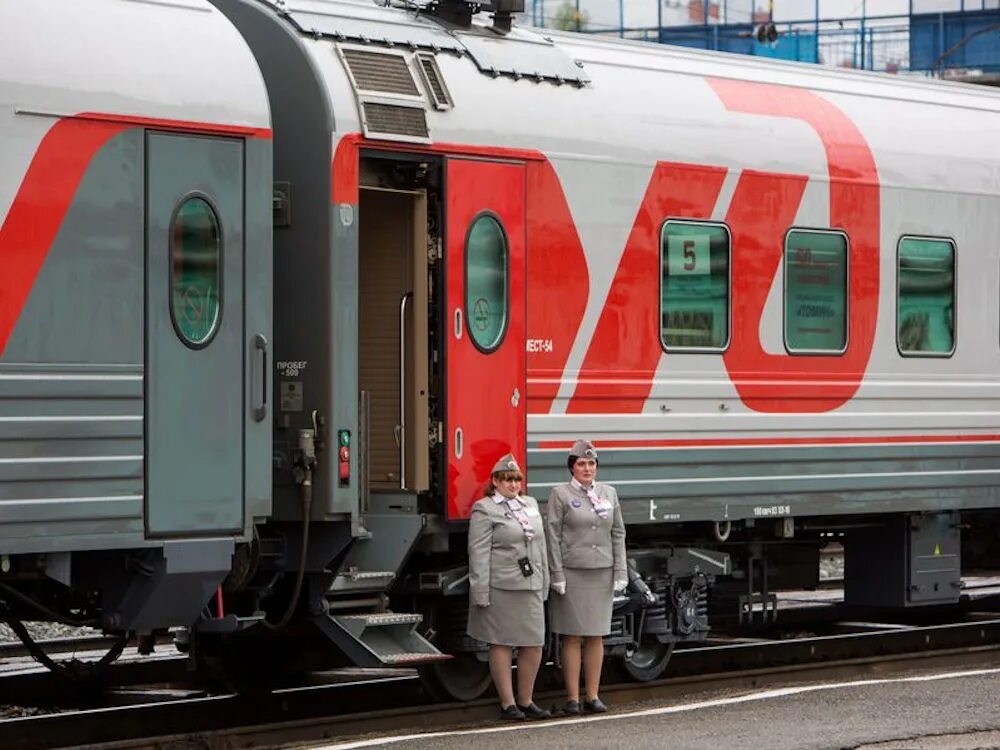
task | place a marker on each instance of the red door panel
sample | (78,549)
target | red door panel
(486,413)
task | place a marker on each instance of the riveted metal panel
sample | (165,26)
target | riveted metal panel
(522,55)
(367,23)
(517,54)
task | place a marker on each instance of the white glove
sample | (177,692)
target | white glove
(620,585)
(481,598)
(559,587)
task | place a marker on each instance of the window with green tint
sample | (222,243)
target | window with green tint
(815,292)
(694,290)
(925,309)
(486,282)
(195,268)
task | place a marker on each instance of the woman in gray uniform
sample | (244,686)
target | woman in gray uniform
(586,538)
(508,584)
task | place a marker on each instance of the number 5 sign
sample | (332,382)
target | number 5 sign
(688,255)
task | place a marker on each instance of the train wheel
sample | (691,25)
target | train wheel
(649,661)
(463,678)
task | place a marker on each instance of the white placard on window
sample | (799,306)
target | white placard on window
(688,255)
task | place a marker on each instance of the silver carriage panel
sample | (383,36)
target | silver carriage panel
(71,407)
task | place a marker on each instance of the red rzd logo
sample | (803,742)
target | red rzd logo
(618,370)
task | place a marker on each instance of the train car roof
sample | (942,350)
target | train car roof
(173,60)
(564,58)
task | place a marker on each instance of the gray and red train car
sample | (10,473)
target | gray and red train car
(279,281)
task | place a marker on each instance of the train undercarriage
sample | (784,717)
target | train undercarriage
(706,577)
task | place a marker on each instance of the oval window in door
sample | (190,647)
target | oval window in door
(486,282)
(195,271)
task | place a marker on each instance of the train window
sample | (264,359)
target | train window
(195,271)
(815,292)
(925,300)
(486,281)
(694,286)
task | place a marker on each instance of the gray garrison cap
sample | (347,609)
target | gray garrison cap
(583,449)
(506,463)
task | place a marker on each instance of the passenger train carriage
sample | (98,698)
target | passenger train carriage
(282,280)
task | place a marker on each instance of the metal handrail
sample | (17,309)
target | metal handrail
(403,303)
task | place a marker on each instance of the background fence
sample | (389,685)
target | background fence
(932,37)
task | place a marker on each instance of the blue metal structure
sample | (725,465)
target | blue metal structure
(925,40)
(959,40)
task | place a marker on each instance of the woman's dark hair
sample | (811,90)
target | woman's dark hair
(573,459)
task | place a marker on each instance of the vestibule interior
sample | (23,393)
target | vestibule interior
(393,351)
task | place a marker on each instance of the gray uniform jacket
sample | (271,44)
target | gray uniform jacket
(497,542)
(578,537)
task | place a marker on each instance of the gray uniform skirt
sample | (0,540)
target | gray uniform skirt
(514,618)
(585,608)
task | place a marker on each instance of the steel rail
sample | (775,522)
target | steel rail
(359,706)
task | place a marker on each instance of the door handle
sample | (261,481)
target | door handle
(260,345)
(401,434)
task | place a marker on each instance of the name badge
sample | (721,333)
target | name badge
(575,503)
(532,512)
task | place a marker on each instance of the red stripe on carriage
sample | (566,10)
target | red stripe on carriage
(182,126)
(801,383)
(40,205)
(858,440)
(618,370)
(558,285)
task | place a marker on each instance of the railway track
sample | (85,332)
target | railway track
(349,703)
(25,682)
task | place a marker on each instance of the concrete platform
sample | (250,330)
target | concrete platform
(944,710)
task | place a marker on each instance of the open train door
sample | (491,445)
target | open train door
(485,329)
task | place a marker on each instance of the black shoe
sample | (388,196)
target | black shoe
(595,707)
(534,711)
(572,708)
(511,713)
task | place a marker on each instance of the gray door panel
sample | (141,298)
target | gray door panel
(194,335)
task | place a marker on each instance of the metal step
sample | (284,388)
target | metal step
(382,618)
(353,579)
(376,639)
(401,660)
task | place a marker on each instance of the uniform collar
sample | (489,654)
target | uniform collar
(574,483)
(498,498)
